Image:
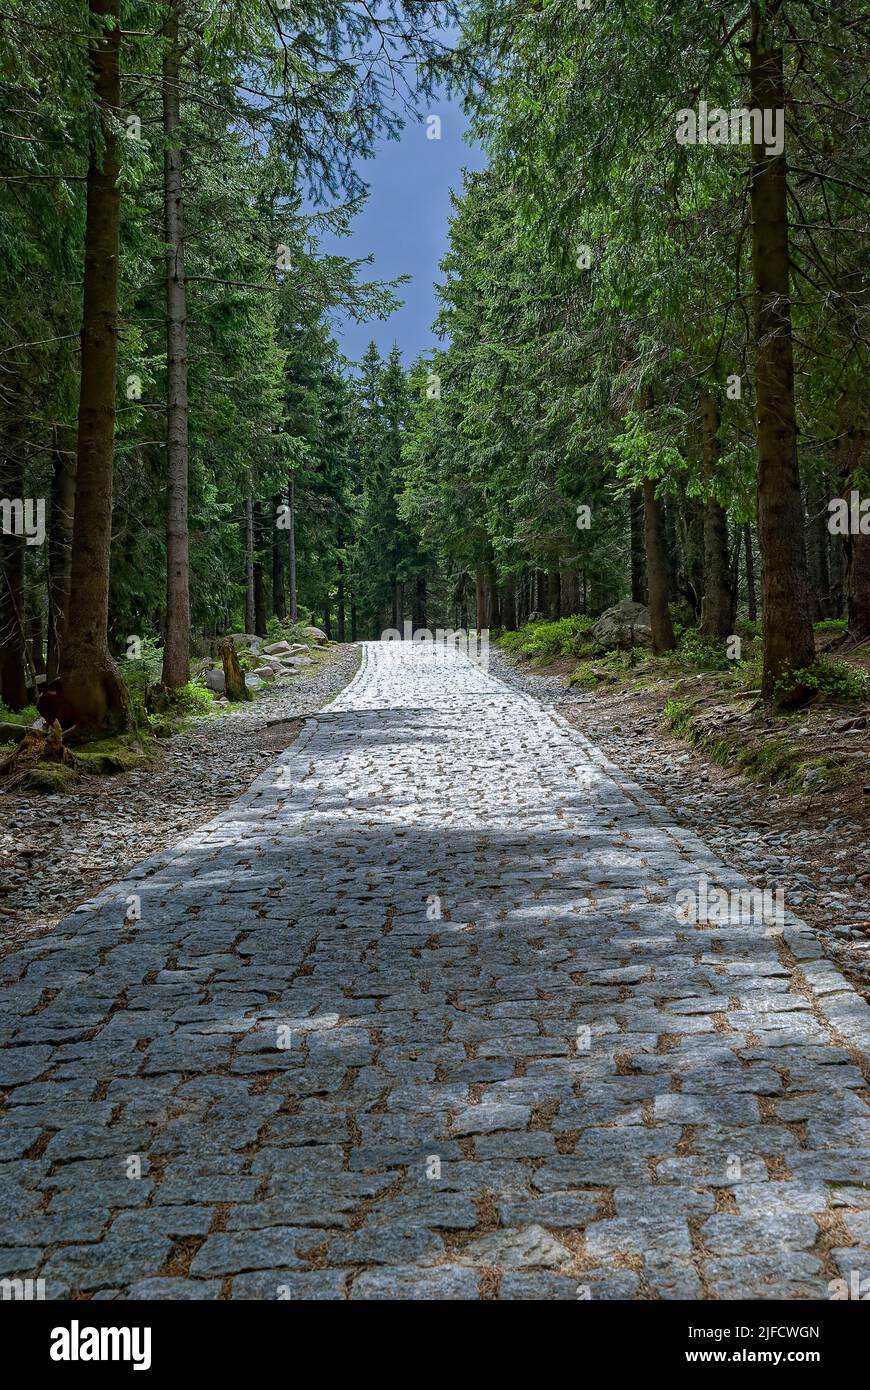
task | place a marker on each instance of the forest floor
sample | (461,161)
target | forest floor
(810,838)
(57,850)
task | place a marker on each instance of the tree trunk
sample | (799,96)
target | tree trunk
(554,590)
(717,609)
(176,644)
(339,597)
(672,546)
(817,537)
(858,586)
(234,680)
(36,657)
(787,625)
(491,586)
(279,597)
(657,570)
(419,608)
(480,599)
(638,577)
(250,609)
(291,550)
(92,683)
(260,618)
(509,606)
(569,600)
(856,548)
(63,501)
(749,560)
(13,656)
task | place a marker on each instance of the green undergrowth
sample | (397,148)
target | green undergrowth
(547,641)
(770,758)
(18,716)
(835,679)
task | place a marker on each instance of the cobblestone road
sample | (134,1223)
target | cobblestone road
(417,1018)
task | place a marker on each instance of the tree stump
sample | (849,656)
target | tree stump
(234,680)
(38,747)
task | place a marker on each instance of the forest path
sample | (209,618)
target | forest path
(417,1017)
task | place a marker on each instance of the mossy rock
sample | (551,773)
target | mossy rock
(165,728)
(50,777)
(107,755)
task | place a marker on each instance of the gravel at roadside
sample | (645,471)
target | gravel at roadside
(808,846)
(56,851)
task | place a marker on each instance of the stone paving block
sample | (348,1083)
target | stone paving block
(779,1276)
(189,1290)
(726,1234)
(516,1248)
(108,1262)
(388,1243)
(407,1282)
(282,1285)
(234,1252)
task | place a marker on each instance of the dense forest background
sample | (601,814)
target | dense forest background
(651,363)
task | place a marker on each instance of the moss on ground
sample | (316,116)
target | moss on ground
(50,778)
(106,755)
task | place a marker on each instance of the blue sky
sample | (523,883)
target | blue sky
(404,225)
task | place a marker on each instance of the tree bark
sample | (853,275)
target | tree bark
(717,609)
(638,578)
(554,594)
(36,646)
(92,683)
(856,548)
(491,587)
(13,656)
(176,643)
(419,605)
(63,501)
(509,606)
(657,570)
(817,537)
(749,561)
(250,611)
(672,546)
(339,597)
(786,613)
(234,680)
(291,549)
(569,593)
(858,586)
(480,599)
(260,619)
(279,597)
